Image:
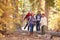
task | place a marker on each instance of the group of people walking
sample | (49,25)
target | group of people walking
(39,20)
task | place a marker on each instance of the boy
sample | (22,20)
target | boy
(27,18)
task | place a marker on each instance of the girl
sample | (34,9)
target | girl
(43,23)
(32,22)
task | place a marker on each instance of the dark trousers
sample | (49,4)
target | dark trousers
(43,29)
(26,26)
(38,26)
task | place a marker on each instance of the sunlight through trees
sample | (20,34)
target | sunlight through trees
(12,13)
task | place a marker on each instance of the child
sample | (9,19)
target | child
(27,17)
(32,21)
(43,23)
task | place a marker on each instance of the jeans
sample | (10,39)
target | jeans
(37,26)
(31,26)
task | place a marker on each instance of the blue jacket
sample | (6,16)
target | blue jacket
(38,17)
(32,20)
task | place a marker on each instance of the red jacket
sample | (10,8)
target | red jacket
(28,14)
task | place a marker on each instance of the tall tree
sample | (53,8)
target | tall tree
(48,4)
(35,4)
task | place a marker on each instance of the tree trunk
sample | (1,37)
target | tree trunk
(46,11)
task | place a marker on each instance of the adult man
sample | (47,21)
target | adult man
(38,19)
